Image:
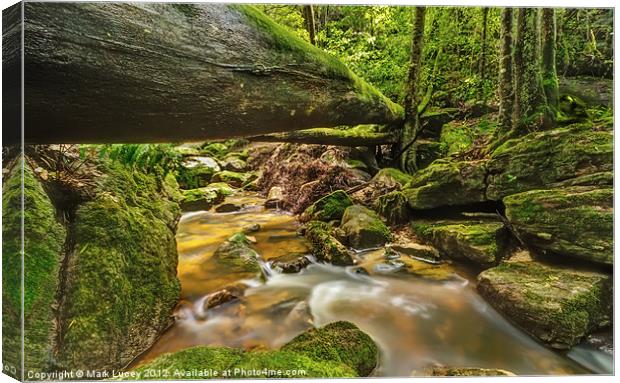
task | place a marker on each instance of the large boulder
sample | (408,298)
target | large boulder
(447,183)
(541,159)
(331,207)
(363,228)
(325,246)
(338,341)
(483,242)
(575,221)
(557,305)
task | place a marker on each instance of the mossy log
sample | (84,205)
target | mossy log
(362,135)
(156,72)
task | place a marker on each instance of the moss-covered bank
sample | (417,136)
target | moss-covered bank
(44,237)
(339,349)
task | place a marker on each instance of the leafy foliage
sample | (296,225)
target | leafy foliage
(151,158)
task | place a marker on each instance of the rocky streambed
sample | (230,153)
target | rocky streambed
(423,313)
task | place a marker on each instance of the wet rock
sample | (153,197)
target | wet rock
(418,251)
(228,208)
(200,199)
(557,305)
(220,297)
(540,159)
(393,207)
(447,183)
(338,341)
(275,198)
(483,242)
(251,228)
(467,371)
(363,228)
(299,314)
(237,254)
(328,208)
(386,180)
(294,266)
(325,246)
(234,179)
(575,221)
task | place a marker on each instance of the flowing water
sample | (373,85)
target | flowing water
(419,314)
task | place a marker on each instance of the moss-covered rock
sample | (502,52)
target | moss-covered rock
(482,242)
(391,176)
(428,151)
(363,228)
(557,305)
(196,172)
(233,163)
(459,136)
(341,342)
(121,284)
(447,183)
(575,221)
(200,199)
(237,254)
(540,159)
(324,245)
(394,207)
(233,178)
(329,208)
(44,238)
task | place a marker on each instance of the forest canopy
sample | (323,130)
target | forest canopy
(461,45)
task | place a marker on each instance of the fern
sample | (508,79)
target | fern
(150,158)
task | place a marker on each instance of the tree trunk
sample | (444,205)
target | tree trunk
(412,117)
(363,135)
(529,94)
(506,93)
(482,64)
(157,72)
(308,12)
(549,73)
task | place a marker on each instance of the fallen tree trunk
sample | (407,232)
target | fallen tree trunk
(149,72)
(363,135)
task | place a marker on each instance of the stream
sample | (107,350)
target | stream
(427,316)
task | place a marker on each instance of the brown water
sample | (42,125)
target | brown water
(419,314)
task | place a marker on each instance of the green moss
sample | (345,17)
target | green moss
(287,42)
(195,176)
(231,363)
(339,341)
(233,178)
(325,246)
(394,174)
(363,228)
(575,221)
(121,277)
(459,136)
(541,159)
(447,183)
(558,305)
(215,149)
(236,253)
(393,207)
(44,238)
(483,242)
(329,208)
